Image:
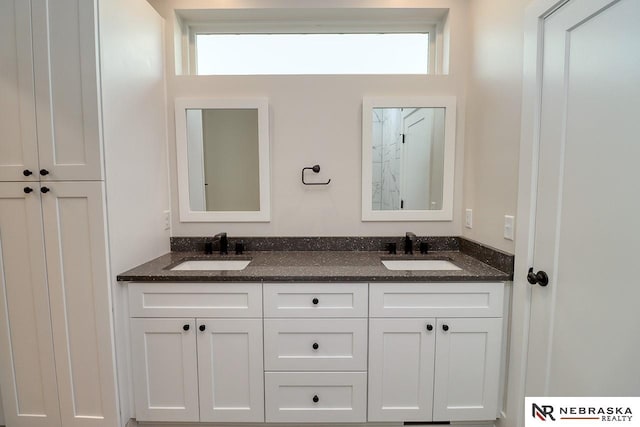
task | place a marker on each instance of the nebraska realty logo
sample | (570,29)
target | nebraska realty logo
(582,411)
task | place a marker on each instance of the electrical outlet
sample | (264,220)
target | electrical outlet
(468,218)
(509,227)
(167,220)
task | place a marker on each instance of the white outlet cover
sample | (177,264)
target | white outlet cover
(468,218)
(509,231)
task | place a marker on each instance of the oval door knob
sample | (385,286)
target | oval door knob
(27,172)
(316,399)
(185,327)
(540,278)
(315,346)
(202,328)
(315,301)
(44,172)
(445,328)
(28,190)
(44,189)
(429,327)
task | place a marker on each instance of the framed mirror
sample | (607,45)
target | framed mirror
(223,159)
(408,155)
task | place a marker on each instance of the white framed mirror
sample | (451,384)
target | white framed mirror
(222,149)
(408,158)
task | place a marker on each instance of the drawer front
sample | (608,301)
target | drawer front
(195,300)
(436,300)
(315,344)
(315,396)
(315,300)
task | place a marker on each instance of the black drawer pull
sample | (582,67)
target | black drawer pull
(185,327)
(316,399)
(28,190)
(429,327)
(315,346)
(202,328)
(315,301)
(445,327)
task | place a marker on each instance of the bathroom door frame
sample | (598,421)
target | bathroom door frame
(534,16)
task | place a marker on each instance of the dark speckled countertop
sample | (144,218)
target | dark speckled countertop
(314,266)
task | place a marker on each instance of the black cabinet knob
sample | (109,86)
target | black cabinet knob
(315,346)
(315,301)
(185,327)
(28,190)
(202,328)
(45,189)
(429,327)
(316,399)
(540,278)
(27,172)
(445,328)
(44,172)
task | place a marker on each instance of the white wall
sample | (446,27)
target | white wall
(134,126)
(317,120)
(1,412)
(493,118)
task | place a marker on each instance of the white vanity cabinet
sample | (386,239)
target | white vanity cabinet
(434,351)
(197,351)
(315,352)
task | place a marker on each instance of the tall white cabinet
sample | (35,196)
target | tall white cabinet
(57,352)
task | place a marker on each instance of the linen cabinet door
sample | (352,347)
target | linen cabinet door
(165,369)
(230,370)
(401,359)
(66,85)
(80,300)
(27,370)
(18,145)
(467,369)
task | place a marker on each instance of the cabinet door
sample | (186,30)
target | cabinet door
(27,371)
(66,87)
(18,143)
(230,370)
(401,358)
(467,369)
(80,300)
(165,369)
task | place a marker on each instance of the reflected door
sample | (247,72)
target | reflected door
(416,158)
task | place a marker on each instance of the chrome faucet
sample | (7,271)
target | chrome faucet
(409,238)
(224,243)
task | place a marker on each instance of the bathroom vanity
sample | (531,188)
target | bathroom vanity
(317,336)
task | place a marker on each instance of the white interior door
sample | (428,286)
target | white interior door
(585,325)
(27,370)
(416,158)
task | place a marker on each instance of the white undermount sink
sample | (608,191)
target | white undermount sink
(212,265)
(420,264)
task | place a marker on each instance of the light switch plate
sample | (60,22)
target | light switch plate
(468,218)
(167,220)
(509,227)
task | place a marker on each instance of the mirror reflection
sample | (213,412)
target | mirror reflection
(223,159)
(408,150)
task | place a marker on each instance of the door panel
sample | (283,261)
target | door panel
(66,85)
(74,229)
(467,369)
(586,235)
(27,371)
(401,363)
(165,369)
(231,375)
(18,143)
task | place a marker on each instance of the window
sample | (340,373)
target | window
(337,53)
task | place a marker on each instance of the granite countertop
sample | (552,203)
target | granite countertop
(314,266)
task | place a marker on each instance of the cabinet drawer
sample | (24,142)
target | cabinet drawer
(315,396)
(195,300)
(315,300)
(436,300)
(315,344)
